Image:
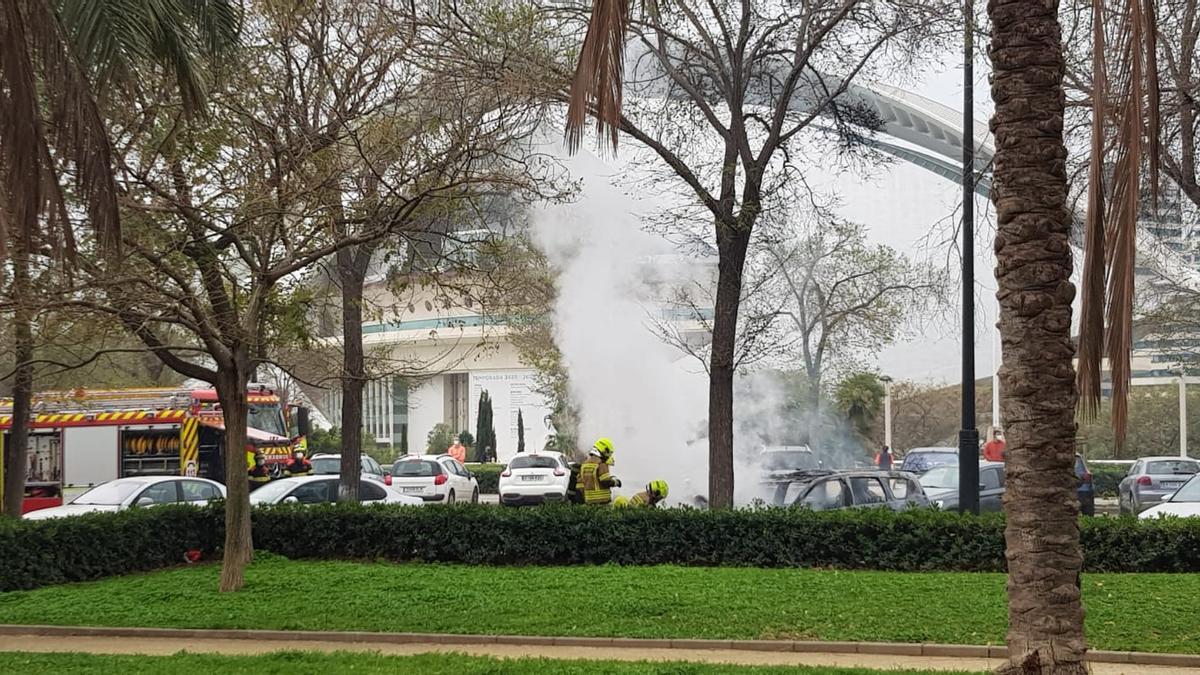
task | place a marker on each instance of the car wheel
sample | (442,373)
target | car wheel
(450,497)
(475,496)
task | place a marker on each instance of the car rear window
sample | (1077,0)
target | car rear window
(533,462)
(327,465)
(1177,466)
(923,461)
(416,468)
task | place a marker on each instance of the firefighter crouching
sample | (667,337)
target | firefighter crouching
(655,492)
(595,481)
(299,466)
(258,473)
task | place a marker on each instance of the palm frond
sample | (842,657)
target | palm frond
(1125,133)
(599,74)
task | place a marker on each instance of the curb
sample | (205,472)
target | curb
(805,646)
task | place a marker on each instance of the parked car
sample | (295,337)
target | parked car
(1150,479)
(534,478)
(827,490)
(325,464)
(141,491)
(1184,502)
(1086,490)
(435,478)
(941,486)
(920,460)
(323,489)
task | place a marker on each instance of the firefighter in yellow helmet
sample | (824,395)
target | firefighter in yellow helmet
(655,492)
(595,481)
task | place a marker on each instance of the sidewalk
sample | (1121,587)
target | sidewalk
(861,655)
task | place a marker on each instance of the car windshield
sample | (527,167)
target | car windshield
(327,465)
(785,460)
(112,493)
(1173,466)
(923,461)
(1190,492)
(271,492)
(533,462)
(266,418)
(941,477)
(416,468)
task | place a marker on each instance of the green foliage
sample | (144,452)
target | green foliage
(38,553)
(1153,424)
(466,439)
(488,476)
(1106,478)
(440,437)
(485,430)
(520,430)
(860,398)
(325,440)
(370,663)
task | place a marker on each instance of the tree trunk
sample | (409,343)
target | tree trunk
(239,544)
(352,264)
(732,243)
(1033,271)
(16,449)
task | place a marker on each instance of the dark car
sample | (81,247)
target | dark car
(1087,491)
(941,486)
(828,490)
(920,460)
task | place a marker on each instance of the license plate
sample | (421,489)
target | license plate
(1171,485)
(413,489)
(531,479)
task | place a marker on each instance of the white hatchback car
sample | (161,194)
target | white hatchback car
(323,489)
(140,491)
(434,478)
(535,478)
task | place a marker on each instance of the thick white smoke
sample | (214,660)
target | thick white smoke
(645,395)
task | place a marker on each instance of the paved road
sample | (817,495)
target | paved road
(167,646)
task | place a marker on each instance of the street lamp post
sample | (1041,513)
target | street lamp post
(887,411)
(968,435)
(1183,441)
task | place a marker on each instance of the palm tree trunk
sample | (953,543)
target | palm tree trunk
(1033,271)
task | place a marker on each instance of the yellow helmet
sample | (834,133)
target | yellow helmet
(605,448)
(659,488)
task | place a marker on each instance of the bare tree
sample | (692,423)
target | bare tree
(226,214)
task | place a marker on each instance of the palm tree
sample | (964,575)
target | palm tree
(1033,269)
(54,56)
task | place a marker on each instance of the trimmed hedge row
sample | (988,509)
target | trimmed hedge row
(1106,477)
(488,476)
(38,553)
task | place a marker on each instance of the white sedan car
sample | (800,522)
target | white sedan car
(323,489)
(535,478)
(124,493)
(1185,502)
(435,478)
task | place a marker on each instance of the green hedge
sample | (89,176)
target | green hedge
(1106,477)
(37,553)
(488,476)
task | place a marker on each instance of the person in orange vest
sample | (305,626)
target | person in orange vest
(458,451)
(993,450)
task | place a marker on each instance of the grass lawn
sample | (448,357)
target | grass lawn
(370,664)
(1142,612)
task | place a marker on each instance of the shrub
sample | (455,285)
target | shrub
(37,553)
(1106,477)
(488,476)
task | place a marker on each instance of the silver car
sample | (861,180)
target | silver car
(1150,479)
(136,492)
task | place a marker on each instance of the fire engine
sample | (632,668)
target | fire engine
(80,438)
